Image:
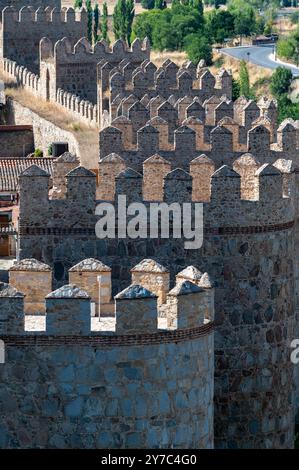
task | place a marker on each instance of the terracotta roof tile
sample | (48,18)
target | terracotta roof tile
(10,169)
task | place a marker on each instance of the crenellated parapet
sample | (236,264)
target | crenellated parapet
(68,310)
(82,109)
(73,67)
(245,193)
(34,279)
(34,183)
(68,72)
(84,356)
(23,48)
(64,52)
(18,4)
(136,138)
(94,277)
(167,81)
(24,77)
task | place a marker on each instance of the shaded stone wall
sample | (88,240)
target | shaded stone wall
(18,141)
(73,68)
(70,387)
(168,81)
(44,132)
(55,24)
(180,145)
(90,394)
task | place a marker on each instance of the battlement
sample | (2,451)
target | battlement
(13,18)
(136,135)
(68,310)
(99,367)
(250,194)
(24,76)
(84,110)
(239,116)
(68,72)
(73,67)
(79,196)
(23,48)
(168,82)
(18,4)
(64,51)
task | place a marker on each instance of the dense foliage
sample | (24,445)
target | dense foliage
(78,3)
(96,20)
(288,47)
(89,20)
(197,48)
(184,26)
(123,16)
(280,85)
(104,23)
(280,82)
(241,86)
(244,81)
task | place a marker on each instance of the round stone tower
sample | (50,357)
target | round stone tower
(249,249)
(136,382)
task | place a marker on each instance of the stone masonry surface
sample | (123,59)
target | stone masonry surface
(98,387)
(169,134)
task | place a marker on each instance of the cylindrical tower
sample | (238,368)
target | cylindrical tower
(140,384)
(249,244)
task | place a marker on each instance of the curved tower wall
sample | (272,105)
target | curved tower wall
(135,384)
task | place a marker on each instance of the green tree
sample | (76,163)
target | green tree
(294,17)
(286,47)
(244,81)
(236,92)
(183,25)
(198,5)
(119,15)
(220,25)
(270,13)
(130,13)
(89,26)
(159,4)
(123,17)
(96,19)
(268,28)
(260,24)
(144,24)
(281,81)
(198,47)
(287,109)
(89,20)
(244,17)
(78,4)
(162,35)
(159,25)
(104,25)
(38,153)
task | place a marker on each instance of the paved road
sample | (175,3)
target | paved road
(257,55)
